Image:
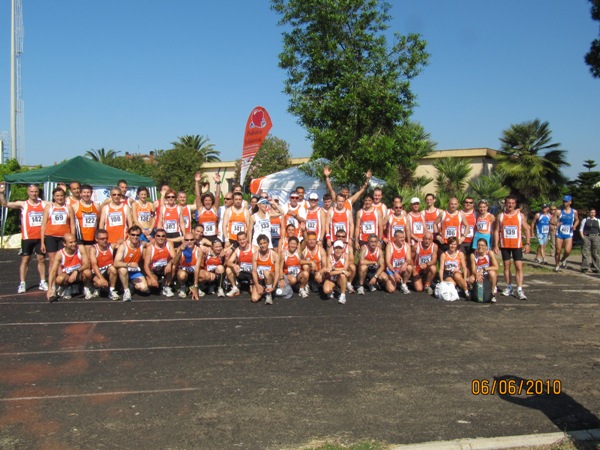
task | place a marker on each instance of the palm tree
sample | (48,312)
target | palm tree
(452,175)
(530,162)
(489,188)
(198,143)
(101,155)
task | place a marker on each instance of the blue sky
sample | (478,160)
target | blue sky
(133,75)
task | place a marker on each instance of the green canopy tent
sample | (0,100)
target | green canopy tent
(84,170)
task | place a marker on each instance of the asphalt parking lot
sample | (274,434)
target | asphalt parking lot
(225,373)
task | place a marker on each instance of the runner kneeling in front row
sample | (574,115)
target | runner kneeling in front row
(371,266)
(70,266)
(212,272)
(158,263)
(337,272)
(484,264)
(239,266)
(188,260)
(128,263)
(399,263)
(102,265)
(265,271)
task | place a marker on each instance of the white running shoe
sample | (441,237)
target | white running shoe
(233,292)
(127,295)
(22,288)
(96,293)
(564,264)
(268,299)
(114,295)
(342,299)
(87,293)
(67,293)
(404,288)
(167,291)
(360,290)
(220,292)
(182,293)
(429,290)
(507,292)
(521,295)
(557,268)
(350,289)
(303,293)
(372,288)
(43,286)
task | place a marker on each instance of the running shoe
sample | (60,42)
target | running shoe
(428,290)
(268,299)
(114,295)
(507,292)
(233,292)
(220,292)
(22,288)
(67,294)
(87,293)
(182,293)
(303,293)
(521,295)
(43,286)
(127,295)
(342,299)
(167,291)
(404,288)
(360,290)
(350,288)
(372,288)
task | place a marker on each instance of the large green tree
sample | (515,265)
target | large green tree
(530,162)
(349,88)
(452,174)
(198,143)
(592,58)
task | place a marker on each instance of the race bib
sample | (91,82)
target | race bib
(170,226)
(368,227)
(451,266)
(482,226)
(311,225)
(186,222)
(293,270)
(160,263)
(115,219)
(397,263)
(59,218)
(275,230)
(210,228)
(510,231)
(545,229)
(144,216)
(396,228)
(89,220)
(426,259)
(430,226)
(238,227)
(339,226)
(211,268)
(260,270)
(245,267)
(72,268)
(565,229)
(417,227)
(35,219)
(451,232)
(265,225)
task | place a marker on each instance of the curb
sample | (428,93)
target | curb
(505,441)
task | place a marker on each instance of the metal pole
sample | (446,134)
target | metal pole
(13,81)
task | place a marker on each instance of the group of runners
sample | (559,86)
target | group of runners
(326,245)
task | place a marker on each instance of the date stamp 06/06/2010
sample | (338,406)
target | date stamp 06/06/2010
(515,387)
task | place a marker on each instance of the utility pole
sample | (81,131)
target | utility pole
(16,102)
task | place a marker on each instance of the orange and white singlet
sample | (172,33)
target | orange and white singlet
(510,230)
(483,225)
(104,257)
(237,223)
(132,255)
(292,220)
(264,264)
(373,256)
(422,256)
(209,220)
(70,263)
(159,256)
(417,225)
(186,212)
(31,220)
(430,217)
(395,223)
(339,220)
(244,258)
(211,262)
(468,234)
(482,262)
(170,219)
(452,263)
(144,212)
(116,222)
(314,256)
(275,227)
(369,224)
(87,221)
(450,225)
(313,222)
(189,266)
(398,256)
(291,263)
(59,222)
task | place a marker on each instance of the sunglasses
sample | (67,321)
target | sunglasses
(115,195)
(294,197)
(468,203)
(228,198)
(170,196)
(189,240)
(160,235)
(134,235)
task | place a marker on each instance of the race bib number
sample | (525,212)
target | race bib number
(451,266)
(211,268)
(89,220)
(417,227)
(160,263)
(72,268)
(565,229)
(35,219)
(424,259)
(170,226)
(260,270)
(339,226)
(115,219)
(144,216)
(265,225)
(451,232)
(186,222)
(210,228)
(311,225)
(430,226)
(368,227)
(293,270)
(545,229)
(510,231)
(396,228)
(482,226)
(59,218)
(238,227)
(245,267)
(275,230)
(397,263)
